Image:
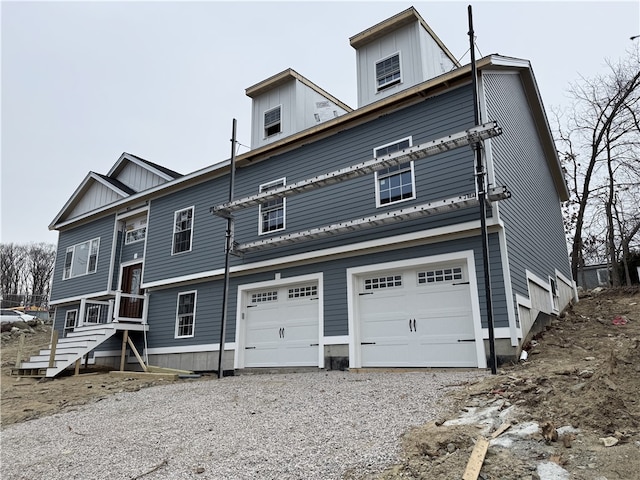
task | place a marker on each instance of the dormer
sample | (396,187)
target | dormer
(397,54)
(288,103)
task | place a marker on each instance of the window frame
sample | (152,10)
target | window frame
(393,81)
(193,314)
(263,188)
(173,235)
(67,267)
(554,294)
(602,272)
(384,173)
(66,328)
(266,126)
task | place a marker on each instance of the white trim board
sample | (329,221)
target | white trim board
(461,230)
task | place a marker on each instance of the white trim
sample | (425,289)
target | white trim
(264,125)
(502,332)
(112,259)
(393,82)
(80,297)
(75,324)
(460,230)
(195,303)
(140,163)
(238,360)
(336,340)
(537,280)
(133,213)
(355,360)
(508,287)
(554,299)
(173,229)
(279,182)
(204,347)
(377,172)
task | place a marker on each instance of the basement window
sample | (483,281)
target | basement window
(272,123)
(388,72)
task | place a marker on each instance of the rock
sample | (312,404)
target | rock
(551,471)
(451,447)
(609,441)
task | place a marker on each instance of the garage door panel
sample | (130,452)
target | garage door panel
(419,320)
(284,328)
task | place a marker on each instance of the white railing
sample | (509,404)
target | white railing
(130,307)
(94,312)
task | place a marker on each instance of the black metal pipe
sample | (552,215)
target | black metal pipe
(482,196)
(227,253)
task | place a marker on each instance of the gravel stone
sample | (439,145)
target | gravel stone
(286,426)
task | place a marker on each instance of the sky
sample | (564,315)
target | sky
(83,82)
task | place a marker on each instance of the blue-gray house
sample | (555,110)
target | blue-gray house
(356,231)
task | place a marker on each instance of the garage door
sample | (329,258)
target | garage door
(418,317)
(282,327)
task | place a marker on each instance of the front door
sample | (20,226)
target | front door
(131,306)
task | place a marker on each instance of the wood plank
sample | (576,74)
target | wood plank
(477,458)
(135,351)
(125,337)
(54,345)
(20,351)
(154,369)
(145,375)
(77,370)
(503,428)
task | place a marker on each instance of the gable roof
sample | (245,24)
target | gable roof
(159,170)
(118,189)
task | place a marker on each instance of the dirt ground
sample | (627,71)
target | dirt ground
(578,390)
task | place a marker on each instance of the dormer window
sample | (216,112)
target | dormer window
(272,124)
(388,72)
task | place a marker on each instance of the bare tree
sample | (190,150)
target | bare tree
(599,147)
(25,274)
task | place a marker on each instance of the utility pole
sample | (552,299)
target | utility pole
(481,183)
(227,253)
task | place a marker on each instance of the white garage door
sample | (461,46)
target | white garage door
(282,327)
(418,317)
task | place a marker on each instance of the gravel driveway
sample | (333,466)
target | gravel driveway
(315,425)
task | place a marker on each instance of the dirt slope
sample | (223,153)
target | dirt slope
(578,389)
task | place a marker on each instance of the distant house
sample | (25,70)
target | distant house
(592,276)
(357,231)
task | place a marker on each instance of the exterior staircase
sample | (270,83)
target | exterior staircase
(78,343)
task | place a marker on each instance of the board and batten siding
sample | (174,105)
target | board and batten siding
(283,96)
(442,176)
(138,178)
(532,216)
(96,196)
(92,282)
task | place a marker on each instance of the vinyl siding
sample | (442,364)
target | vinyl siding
(445,175)
(532,216)
(162,308)
(93,282)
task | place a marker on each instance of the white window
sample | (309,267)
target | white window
(272,213)
(70,320)
(262,297)
(81,259)
(389,281)
(272,123)
(440,275)
(135,230)
(603,276)
(554,294)
(299,292)
(185,314)
(388,72)
(182,230)
(394,184)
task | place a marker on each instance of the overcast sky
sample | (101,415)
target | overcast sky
(83,82)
